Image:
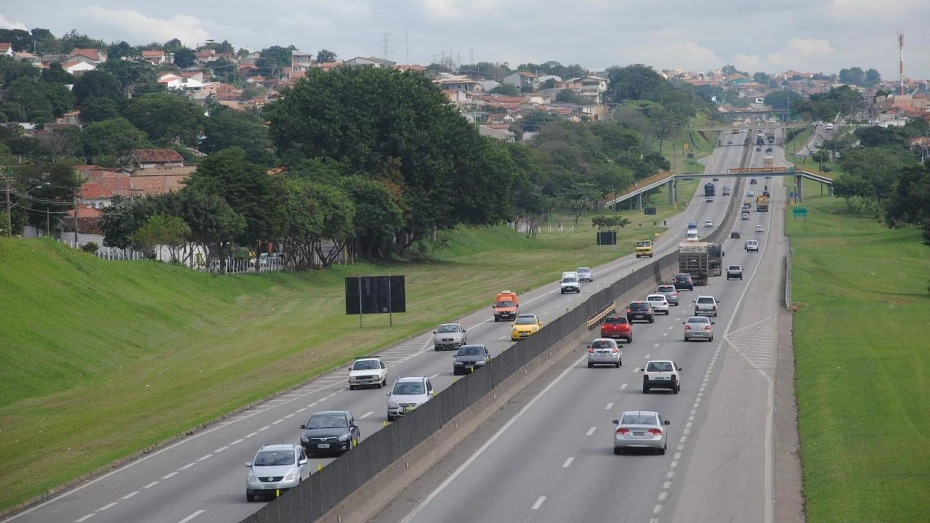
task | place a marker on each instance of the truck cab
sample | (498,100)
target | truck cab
(506,306)
(643,248)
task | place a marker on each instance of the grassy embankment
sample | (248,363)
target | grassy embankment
(862,365)
(100,359)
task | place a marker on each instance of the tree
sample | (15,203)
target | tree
(569,96)
(59,97)
(162,230)
(131,74)
(851,188)
(55,74)
(10,70)
(30,95)
(548,84)
(115,137)
(63,143)
(173,45)
(166,117)
(872,78)
(273,59)
(325,55)
(253,91)
(98,84)
(852,76)
(117,51)
(761,78)
(377,216)
(98,109)
(506,90)
(213,223)
(909,202)
(226,128)
(184,57)
(536,120)
(246,187)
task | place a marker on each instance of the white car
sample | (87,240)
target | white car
(604,351)
(692,236)
(367,372)
(744,216)
(661,374)
(708,224)
(570,282)
(735,271)
(699,327)
(408,394)
(752,246)
(659,303)
(705,306)
(287,464)
(760,228)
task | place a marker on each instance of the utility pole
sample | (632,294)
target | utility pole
(9,209)
(75,222)
(48,223)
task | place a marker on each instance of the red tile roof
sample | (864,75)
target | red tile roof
(85,212)
(157,184)
(156,156)
(94,191)
(116,183)
(4,47)
(93,54)
(153,54)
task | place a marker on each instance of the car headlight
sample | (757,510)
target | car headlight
(457,363)
(290,477)
(392,405)
(343,437)
(304,437)
(251,477)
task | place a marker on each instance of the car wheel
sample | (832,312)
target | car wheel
(652,320)
(645,389)
(676,389)
(711,338)
(618,451)
(667,313)
(390,418)
(436,348)
(630,339)
(619,363)
(661,452)
(250,497)
(686,339)
(590,365)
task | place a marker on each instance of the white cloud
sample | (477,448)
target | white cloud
(9,24)
(669,55)
(869,10)
(448,10)
(139,27)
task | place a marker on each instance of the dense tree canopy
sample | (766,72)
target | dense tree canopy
(166,118)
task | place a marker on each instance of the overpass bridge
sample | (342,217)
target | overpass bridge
(723,128)
(634,193)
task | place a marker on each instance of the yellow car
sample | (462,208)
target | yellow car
(524,325)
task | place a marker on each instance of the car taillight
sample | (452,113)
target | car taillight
(715,307)
(623,431)
(655,432)
(591,350)
(687,327)
(615,350)
(628,311)
(707,328)
(674,377)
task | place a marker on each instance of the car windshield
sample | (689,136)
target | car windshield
(470,351)
(525,320)
(569,280)
(735,268)
(274,458)
(327,421)
(638,419)
(659,366)
(583,269)
(698,319)
(615,319)
(643,244)
(506,303)
(602,344)
(366,365)
(448,328)
(408,388)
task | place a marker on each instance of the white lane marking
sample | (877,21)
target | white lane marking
(657,509)
(330,396)
(301,410)
(365,415)
(185,467)
(664,334)
(131,494)
(673,464)
(672,327)
(539,502)
(192,516)
(85,518)
(591,431)
(278,421)
(247,436)
(670,475)
(609,406)
(503,337)
(656,345)
(662,496)
(568,463)
(266,427)
(289,416)
(169,475)
(434,376)
(623,386)
(221,449)
(667,485)
(150,485)
(236,442)
(647,356)
(677,455)
(208,456)
(452,477)
(108,505)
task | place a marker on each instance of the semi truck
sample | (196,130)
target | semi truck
(709,189)
(762,202)
(768,161)
(701,260)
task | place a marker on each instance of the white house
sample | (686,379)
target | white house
(522,79)
(302,58)
(155,57)
(360,61)
(77,67)
(92,56)
(6,49)
(173,81)
(458,83)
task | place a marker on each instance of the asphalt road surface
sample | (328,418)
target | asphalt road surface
(202,478)
(553,461)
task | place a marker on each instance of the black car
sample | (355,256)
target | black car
(683,281)
(734,234)
(640,310)
(753,181)
(768,150)
(330,431)
(469,358)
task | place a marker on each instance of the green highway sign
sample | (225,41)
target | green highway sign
(799,212)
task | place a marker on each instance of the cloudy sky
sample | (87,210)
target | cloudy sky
(805,35)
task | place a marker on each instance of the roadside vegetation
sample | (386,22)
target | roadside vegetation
(862,299)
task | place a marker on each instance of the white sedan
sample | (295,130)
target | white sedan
(760,228)
(658,302)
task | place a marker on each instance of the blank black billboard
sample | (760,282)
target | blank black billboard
(375,294)
(607,238)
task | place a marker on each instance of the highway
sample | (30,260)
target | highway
(553,461)
(201,478)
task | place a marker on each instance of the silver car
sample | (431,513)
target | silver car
(585,274)
(449,336)
(408,394)
(699,327)
(641,429)
(670,292)
(275,469)
(604,351)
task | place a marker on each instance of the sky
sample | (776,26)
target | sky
(802,35)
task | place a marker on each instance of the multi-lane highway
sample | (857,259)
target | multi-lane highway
(202,478)
(553,461)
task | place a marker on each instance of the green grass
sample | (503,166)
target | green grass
(798,142)
(100,359)
(862,363)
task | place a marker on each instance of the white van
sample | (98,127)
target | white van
(829,126)
(570,282)
(692,236)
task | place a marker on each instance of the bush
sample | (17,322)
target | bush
(90,247)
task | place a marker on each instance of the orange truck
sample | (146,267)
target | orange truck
(506,306)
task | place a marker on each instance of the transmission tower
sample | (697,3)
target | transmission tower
(385,50)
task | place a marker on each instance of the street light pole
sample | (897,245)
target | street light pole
(9,209)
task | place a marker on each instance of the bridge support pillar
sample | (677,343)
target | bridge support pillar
(671,191)
(829,189)
(797,187)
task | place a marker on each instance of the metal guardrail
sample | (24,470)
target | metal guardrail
(599,317)
(326,489)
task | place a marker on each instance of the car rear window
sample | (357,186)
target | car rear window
(616,319)
(656,298)
(735,268)
(638,419)
(667,288)
(639,306)
(470,350)
(698,319)
(602,344)
(706,300)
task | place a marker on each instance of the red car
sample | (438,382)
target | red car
(617,327)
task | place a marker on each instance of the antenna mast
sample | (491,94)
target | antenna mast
(385,50)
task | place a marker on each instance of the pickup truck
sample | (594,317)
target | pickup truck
(617,327)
